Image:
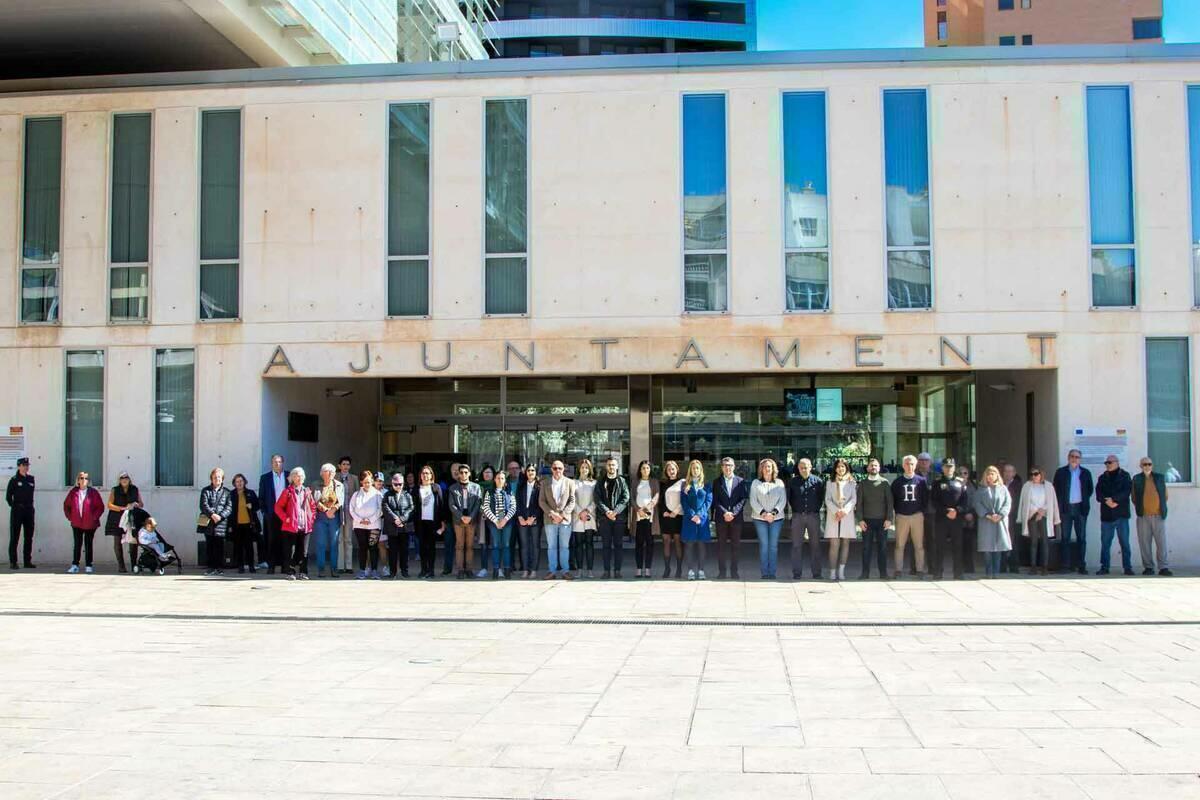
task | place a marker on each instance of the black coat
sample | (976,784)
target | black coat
(220,502)
(1119,486)
(723,502)
(252,505)
(396,504)
(441,509)
(531,509)
(267,498)
(1062,488)
(112,523)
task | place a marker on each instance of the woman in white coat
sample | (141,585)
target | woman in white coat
(841,496)
(1037,514)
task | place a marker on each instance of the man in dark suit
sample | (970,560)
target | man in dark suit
(729,494)
(1073,485)
(1011,562)
(270,486)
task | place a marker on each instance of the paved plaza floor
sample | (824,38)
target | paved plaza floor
(185,687)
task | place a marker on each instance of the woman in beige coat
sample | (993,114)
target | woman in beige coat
(841,496)
(1037,514)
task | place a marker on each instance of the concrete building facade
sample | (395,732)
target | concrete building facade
(678,256)
(957,23)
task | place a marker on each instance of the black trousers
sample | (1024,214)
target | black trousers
(294,550)
(583,550)
(874,547)
(214,551)
(20,518)
(244,537)
(362,537)
(398,552)
(273,540)
(729,537)
(83,539)
(427,540)
(947,533)
(643,544)
(612,541)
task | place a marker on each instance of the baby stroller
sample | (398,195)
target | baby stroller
(154,553)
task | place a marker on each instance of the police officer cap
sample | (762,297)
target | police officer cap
(22,462)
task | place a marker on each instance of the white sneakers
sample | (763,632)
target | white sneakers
(263,565)
(842,572)
(88,570)
(700,575)
(74,570)
(483,573)
(691,574)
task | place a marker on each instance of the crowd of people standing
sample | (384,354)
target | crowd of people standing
(370,524)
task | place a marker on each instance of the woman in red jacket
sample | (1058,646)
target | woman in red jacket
(83,508)
(296,510)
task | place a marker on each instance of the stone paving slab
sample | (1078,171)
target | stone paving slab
(267,689)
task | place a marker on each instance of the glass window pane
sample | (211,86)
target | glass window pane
(807,281)
(504,292)
(705,282)
(43,190)
(408,288)
(39,295)
(804,170)
(174,416)
(220,184)
(130,293)
(1194,153)
(1147,28)
(408,180)
(218,291)
(909,280)
(906,167)
(505,169)
(704,172)
(1113,278)
(130,236)
(85,416)
(1110,164)
(1169,408)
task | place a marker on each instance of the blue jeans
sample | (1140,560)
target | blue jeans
(501,545)
(768,545)
(1120,527)
(558,545)
(326,533)
(991,563)
(1076,517)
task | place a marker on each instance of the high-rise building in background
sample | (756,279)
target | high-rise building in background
(87,37)
(955,23)
(532,28)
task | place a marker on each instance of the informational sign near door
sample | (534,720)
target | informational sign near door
(12,447)
(813,405)
(1097,443)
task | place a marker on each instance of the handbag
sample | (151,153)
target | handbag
(203,523)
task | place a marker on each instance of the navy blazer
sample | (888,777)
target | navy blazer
(531,509)
(267,497)
(724,502)
(1062,488)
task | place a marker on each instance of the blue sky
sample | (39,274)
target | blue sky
(822,25)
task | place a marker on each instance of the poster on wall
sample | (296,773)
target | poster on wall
(800,405)
(12,447)
(829,405)
(1096,443)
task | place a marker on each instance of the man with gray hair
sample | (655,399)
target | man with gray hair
(806,497)
(1073,488)
(910,498)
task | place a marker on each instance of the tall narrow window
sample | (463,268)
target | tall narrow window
(129,234)
(506,239)
(1110,176)
(1194,151)
(906,179)
(408,210)
(41,226)
(220,212)
(942,29)
(1169,407)
(705,233)
(84,424)
(805,202)
(174,417)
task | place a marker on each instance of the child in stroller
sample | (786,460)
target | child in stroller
(155,554)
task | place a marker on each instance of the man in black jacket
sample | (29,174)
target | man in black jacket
(950,505)
(1011,562)
(729,494)
(1073,487)
(19,496)
(270,485)
(806,497)
(612,499)
(1112,491)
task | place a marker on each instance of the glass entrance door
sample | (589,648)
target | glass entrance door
(546,440)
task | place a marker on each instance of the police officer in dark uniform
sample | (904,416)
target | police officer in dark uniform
(950,505)
(19,496)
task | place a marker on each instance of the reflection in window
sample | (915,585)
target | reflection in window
(1110,184)
(84,422)
(129,240)
(705,238)
(806,201)
(408,210)
(1168,407)
(505,206)
(1194,157)
(220,212)
(174,417)
(906,178)
(41,205)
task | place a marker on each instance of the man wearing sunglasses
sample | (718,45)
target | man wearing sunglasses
(1073,488)
(1150,503)
(1113,489)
